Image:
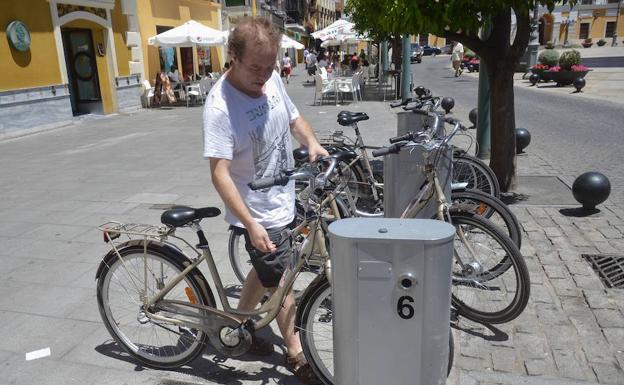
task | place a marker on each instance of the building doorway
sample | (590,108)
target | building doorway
(84,86)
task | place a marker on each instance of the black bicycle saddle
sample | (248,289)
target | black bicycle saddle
(182,215)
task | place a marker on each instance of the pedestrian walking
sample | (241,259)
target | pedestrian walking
(248,120)
(286,67)
(457,55)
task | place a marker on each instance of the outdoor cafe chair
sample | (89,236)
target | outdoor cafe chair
(322,87)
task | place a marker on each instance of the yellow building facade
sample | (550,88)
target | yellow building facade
(63,58)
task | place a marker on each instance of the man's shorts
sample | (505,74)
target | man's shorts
(269,266)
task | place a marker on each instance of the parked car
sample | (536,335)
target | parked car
(416,53)
(429,50)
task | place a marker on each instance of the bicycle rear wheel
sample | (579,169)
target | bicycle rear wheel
(490,278)
(478,175)
(490,207)
(121,288)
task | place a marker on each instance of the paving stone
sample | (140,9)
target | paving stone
(579,268)
(471,363)
(618,244)
(563,337)
(605,248)
(586,325)
(541,367)
(609,318)
(571,364)
(532,345)
(507,360)
(594,236)
(598,299)
(610,232)
(530,226)
(547,225)
(537,236)
(580,241)
(538,212)
(550,257)
(541,294)
(587,282)
(596,349)
(561,242)
(556,271)
(615,336)
(608,373)
(565,287)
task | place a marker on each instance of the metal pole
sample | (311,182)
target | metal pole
(483,114)
(483,104)
(406,73)
(617,17)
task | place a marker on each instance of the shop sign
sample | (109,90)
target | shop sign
(18,35)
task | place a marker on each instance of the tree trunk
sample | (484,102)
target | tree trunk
(503,123)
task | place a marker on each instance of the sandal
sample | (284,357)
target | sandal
(260,346)
(301,369)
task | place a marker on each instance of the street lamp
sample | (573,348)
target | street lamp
(567,23)
(534,37)
(617,16)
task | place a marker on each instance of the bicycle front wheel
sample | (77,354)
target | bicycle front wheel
(490,278)
(121,288)
(478,175)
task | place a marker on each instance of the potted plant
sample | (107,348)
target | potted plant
(601,42)
(587,42)
(569,69)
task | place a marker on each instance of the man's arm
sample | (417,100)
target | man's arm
(303,133)
(222,180)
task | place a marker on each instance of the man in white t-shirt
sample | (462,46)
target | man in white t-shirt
(457,55)
(248,120)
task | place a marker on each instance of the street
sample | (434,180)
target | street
(578,134)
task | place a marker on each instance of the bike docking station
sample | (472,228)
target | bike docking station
(391,299)
(404,173)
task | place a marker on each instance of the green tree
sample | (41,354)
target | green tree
(462,20)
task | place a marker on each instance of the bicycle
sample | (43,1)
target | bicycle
(472,271)
(160,308)
(369,188)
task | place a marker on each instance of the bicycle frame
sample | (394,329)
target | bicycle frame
(313,243)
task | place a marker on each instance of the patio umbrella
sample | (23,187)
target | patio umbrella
(338,26)
(188,34)
(343,38)
(287,42)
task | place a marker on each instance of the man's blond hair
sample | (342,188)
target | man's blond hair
(253,30)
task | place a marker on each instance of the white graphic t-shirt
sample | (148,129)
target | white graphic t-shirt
(254,134)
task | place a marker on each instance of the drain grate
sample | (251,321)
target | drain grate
(610,269)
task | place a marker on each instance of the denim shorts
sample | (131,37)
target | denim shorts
(269,266)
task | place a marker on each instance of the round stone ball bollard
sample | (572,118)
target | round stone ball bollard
(534,79)
(472,116)
(579,83)
(591,189)
(448,103)
(523,138)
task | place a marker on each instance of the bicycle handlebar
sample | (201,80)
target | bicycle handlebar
(392,149)
(283,177)
(259,184)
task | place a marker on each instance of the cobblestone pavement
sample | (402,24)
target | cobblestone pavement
(57,186)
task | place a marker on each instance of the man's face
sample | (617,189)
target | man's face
(254,68)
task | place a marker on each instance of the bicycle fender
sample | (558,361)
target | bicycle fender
(305,297)
(135,244)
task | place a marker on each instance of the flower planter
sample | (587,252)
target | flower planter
(587,45)
(562,78)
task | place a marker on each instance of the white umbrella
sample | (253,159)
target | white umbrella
(188,34)
(287,42)
(338,26)
(340,38)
